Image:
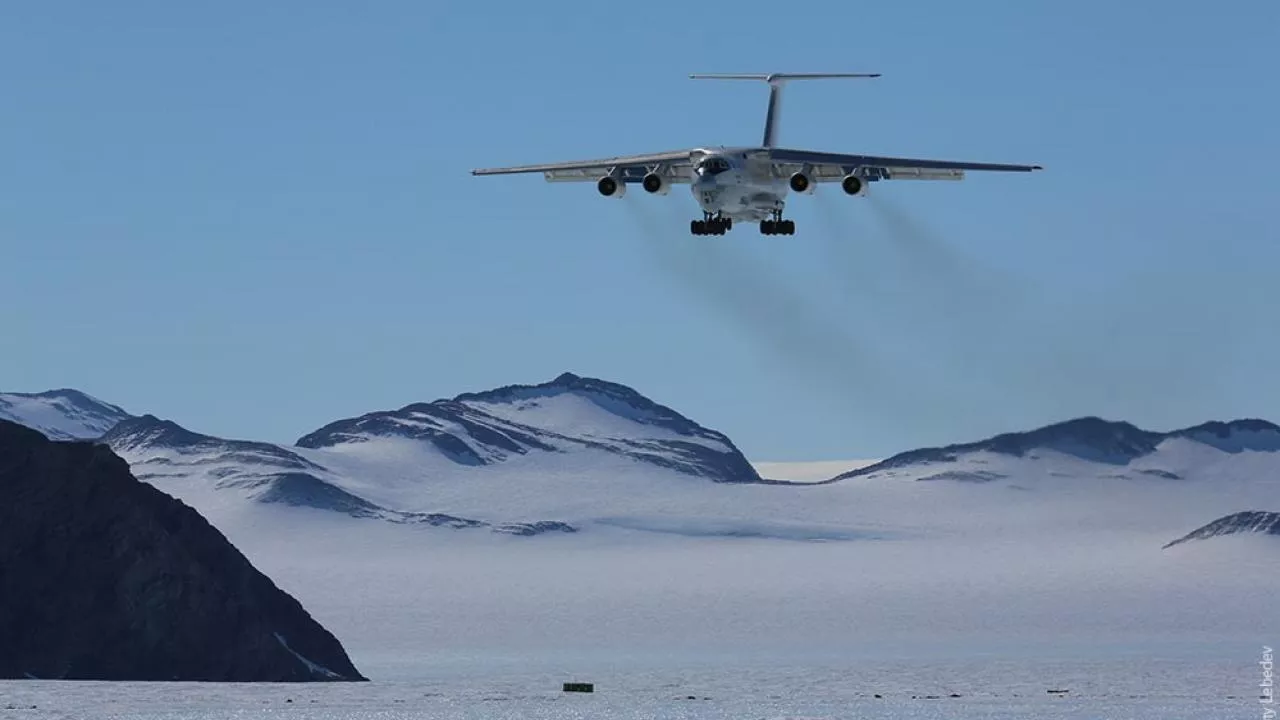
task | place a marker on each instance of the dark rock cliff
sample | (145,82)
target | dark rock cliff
(105,577)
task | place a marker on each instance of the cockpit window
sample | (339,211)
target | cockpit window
(713,166)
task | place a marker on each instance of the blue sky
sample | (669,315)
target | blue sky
(254,218)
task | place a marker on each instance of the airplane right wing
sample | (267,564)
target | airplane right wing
(834,166)
(675,165)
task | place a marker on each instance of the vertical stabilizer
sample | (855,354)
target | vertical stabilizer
(776,81)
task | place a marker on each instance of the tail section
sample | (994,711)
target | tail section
(776,81)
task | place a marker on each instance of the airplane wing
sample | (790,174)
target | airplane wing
(676,165)
(830,167)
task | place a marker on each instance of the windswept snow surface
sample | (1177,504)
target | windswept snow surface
(1131,688)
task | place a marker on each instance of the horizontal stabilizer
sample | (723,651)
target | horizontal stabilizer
(779,77)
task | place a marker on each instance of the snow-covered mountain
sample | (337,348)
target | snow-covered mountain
(478,460)
(1265,523)
(654,535)
(566,415)
(61,414)
(578,452)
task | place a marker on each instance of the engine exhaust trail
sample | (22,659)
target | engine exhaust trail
(967,322)
(1048,359)
(910,283)
(719,272)
(952,273)
(856,263)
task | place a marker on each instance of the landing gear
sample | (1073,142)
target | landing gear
(710,225)
(777,226)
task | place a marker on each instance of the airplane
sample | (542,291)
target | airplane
(750,184)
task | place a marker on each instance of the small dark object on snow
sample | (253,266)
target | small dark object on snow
(579,687)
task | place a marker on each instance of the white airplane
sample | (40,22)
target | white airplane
(750,183)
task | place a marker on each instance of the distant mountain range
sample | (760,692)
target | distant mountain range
(481,460)
(1090,438)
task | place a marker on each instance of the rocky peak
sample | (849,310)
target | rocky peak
(1267,523)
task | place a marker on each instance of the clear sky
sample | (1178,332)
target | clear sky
(254,218)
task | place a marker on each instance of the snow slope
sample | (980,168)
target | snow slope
(61,414)
(1050,543)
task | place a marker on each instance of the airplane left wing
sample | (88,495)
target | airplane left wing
(834,166)
(675,165)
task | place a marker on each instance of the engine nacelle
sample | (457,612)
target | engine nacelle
(854,185)
(802,183)
(656,184)
(610,186)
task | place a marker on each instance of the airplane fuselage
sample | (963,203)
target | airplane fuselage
(727,184)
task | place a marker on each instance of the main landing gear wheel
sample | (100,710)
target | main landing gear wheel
(710,226)
(777,227)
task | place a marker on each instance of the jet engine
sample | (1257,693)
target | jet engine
(656,184)
(802,183)
(609,186)
(854,185)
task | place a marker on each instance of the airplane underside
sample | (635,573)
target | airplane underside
(723,206)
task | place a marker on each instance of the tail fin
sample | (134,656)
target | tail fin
(776,81)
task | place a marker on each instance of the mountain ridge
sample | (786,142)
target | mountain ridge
(514,458)
(1127,440)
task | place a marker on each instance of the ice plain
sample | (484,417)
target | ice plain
(1120,688)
